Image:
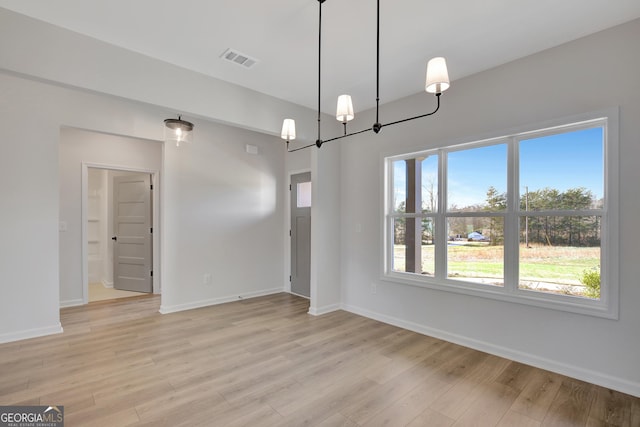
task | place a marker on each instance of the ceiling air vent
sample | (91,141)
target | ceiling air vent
(238,58)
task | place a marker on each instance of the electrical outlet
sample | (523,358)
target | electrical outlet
(207,279)
(374,288)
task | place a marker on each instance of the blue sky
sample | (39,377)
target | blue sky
(561,161)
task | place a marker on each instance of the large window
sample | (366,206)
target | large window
(529,217)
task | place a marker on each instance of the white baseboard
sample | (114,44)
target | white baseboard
(215,301)
(71,303)
(298,295)
(594,377)
(30,333)
(319,311)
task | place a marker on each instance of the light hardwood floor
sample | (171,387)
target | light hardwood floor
(265,362)
(98,292)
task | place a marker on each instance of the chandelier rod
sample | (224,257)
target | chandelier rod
(300,148)
(417,117)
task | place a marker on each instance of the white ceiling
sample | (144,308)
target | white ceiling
(282,34)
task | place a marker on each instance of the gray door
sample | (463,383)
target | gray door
(301,233)
(132,228)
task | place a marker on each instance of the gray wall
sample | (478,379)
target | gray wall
(46,52)
(589,74)
(223,216)
(221,209)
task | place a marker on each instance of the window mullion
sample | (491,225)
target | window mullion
(441,220)
(511,220)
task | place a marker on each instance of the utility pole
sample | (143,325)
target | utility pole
(526,218)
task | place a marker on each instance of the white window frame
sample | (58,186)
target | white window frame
(608,304)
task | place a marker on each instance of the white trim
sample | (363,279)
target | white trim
(608,304)
(72,303)
(107,284)
(536,299)
(84,217)
(301,296)
(319,311)
(84,199)
(616,383)
(215,301)
(31,333)
(494,136)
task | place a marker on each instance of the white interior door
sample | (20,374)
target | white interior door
(132,248)
(301,234)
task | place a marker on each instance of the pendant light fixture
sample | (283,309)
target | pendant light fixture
(288,130)
(437,81)
(178,130)
(344,110)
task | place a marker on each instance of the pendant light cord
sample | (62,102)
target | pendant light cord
(319,140)
(377,61)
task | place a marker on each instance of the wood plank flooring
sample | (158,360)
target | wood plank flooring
(265,362)
(98,292)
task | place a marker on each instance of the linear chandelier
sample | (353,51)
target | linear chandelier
(437,81)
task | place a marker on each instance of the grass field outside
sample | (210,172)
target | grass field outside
(552,269)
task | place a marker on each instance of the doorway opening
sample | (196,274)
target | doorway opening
(118,218)
(300,232)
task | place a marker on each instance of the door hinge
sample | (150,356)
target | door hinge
(151,187)
(289,278)
(151,230)
(151,273)
(289,187)
(289,233)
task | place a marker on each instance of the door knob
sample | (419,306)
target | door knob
(114,238)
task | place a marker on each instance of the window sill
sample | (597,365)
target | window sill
(570,304)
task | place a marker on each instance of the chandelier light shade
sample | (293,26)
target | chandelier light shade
(344,112)
(437,81)
(288,130)
(437,75)
(178,130)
